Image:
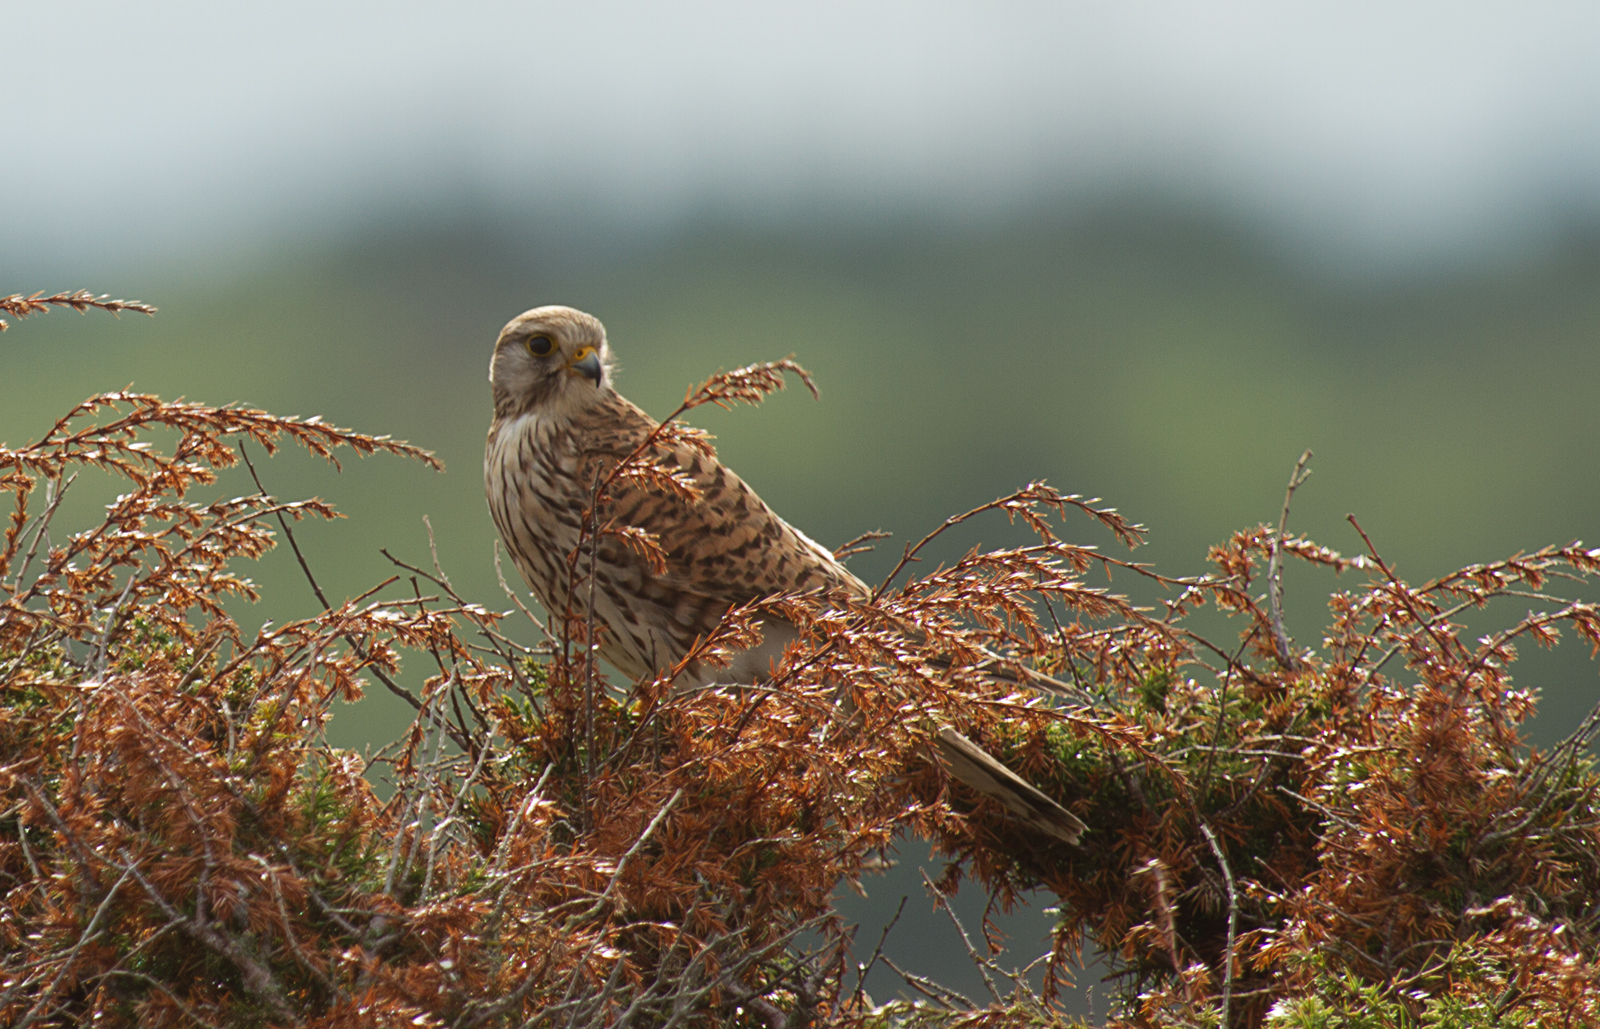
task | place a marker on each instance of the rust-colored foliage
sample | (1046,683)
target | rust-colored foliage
(80,300)
(1357,823)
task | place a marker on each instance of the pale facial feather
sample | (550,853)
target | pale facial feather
(525,382)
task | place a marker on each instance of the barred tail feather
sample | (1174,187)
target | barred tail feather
(972,765)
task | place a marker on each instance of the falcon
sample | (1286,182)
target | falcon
(555,414)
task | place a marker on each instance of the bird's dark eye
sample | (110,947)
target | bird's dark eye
(541,346)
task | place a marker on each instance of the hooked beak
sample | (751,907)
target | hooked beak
(586,362)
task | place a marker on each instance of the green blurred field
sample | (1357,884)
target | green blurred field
(1167,363)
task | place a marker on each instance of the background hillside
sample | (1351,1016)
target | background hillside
(1172,364)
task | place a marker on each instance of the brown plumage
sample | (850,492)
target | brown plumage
(556,419)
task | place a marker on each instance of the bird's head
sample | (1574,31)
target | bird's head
(550,359)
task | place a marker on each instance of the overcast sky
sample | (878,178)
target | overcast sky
(135,126)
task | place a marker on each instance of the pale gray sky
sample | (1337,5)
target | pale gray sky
(144,126)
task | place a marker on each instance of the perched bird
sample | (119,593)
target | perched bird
(555,414)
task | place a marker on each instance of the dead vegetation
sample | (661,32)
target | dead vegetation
(81,300)
(1348,833)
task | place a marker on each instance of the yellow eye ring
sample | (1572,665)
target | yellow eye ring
(541,346)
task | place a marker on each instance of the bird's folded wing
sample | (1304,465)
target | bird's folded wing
(724,544)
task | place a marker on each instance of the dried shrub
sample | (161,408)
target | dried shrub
(80,300)
(1277,835)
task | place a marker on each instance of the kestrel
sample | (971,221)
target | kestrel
(555,414)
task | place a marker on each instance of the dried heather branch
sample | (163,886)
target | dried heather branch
(80,300)
(1280,635)
(750,385)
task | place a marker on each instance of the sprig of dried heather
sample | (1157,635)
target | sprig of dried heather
(81,300)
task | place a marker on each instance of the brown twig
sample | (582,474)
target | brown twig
(1280,636)
(81,300)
